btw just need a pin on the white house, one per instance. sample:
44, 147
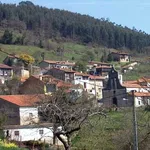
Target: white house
42, 132
23, 120
91, 84
141, 99
56, 64
140, 85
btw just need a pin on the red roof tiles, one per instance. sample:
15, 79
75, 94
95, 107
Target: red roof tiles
96, 77
142, 94
22, 100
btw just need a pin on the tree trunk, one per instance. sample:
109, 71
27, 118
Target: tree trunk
67, 144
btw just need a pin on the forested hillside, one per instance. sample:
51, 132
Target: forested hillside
28, 24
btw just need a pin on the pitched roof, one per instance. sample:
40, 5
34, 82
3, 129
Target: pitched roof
96, 77
121, 53
59, 62
65, 70
142, 94
3, 66
97, 62
133, 85
48, 79
81, 74
22, 100
104, 67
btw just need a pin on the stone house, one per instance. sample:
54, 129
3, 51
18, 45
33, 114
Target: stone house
62, 74
120, 56
56, 64
43, 84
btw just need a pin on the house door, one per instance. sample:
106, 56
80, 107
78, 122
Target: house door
114, 101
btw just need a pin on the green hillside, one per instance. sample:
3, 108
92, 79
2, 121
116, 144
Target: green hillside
72, 51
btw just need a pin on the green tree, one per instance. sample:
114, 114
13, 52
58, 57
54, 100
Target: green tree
80, 66
7, 37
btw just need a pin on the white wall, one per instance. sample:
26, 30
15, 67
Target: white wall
137, 89
27, 134
138, 101
28, 115
90, 85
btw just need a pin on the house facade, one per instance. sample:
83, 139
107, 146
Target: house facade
141, 99
119, 56
30, 132
140, 85
6, 73
91, 84
43, 84
62, 74
56, 64
21, 107
23, 121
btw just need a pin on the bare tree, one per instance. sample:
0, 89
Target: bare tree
68, 113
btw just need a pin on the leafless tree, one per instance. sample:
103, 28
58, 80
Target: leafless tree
68, 113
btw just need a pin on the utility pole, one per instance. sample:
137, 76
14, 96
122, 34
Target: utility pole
134, 124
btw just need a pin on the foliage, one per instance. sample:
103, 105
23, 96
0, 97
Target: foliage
11, 87
27, 59
108, 133
142, 69
7, 37
40, 23
4, 145
80, 66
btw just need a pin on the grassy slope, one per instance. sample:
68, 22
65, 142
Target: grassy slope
105, 133
71, 50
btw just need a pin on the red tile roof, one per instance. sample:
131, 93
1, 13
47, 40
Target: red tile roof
133, 85
81, 74
142, 94
3, 66
22, 100
96, 77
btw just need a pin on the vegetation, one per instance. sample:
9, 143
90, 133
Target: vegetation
28, 24
9, 146
68, 113
142, 69
115, 132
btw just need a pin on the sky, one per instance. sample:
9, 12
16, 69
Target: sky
130, 13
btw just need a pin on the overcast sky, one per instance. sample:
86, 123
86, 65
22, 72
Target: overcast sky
130, 13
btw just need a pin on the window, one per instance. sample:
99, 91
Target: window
16, 133
30, 115
139, 102
41, 132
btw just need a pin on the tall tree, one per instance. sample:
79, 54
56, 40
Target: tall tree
68, 114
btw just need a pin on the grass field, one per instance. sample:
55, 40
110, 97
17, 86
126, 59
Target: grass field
77, 51
111, 133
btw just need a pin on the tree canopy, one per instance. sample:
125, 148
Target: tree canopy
46, 23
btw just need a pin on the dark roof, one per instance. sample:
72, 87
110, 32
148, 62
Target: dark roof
3, 66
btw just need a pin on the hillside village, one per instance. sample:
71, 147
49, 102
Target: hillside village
100, 81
